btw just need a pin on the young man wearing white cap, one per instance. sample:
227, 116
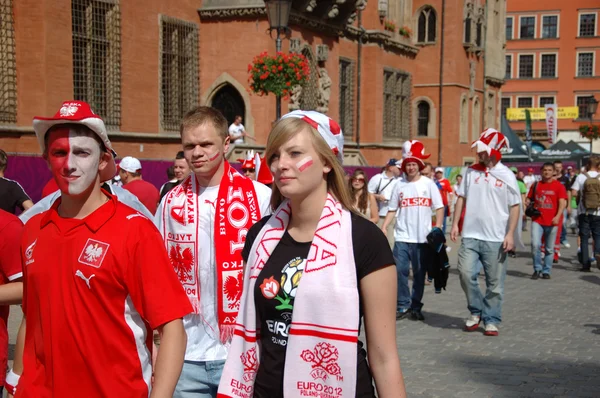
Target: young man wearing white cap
490, 230
130, 171
204, 222
97, 280
411, 204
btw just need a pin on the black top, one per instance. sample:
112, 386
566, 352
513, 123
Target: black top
566, 181
274, 311
12, 195
167, 187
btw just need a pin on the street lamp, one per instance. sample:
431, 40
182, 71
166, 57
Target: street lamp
592, 107
278, 12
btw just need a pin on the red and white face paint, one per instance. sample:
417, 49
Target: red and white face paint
74, 159
304, 163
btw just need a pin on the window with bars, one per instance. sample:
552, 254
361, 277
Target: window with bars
587, 25
427, 26
549, 26
504, 105
546, 101
179, 70
527, 28
508, 72
346, 97
96, 28
582, 104
422, 118
8, 66
509, 28
548, 65
585, 64
525, 102
396, 105
525, 66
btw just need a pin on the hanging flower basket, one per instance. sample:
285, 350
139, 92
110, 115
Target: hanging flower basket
405, 31
277, 74
590, 131
389, 25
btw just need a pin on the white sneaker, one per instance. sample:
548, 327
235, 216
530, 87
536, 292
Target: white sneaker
567, 245
491, 330
472, 324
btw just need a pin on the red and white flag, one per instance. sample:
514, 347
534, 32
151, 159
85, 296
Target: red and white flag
551, 122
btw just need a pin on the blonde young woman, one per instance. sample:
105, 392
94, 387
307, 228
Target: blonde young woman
313, 270
364, 201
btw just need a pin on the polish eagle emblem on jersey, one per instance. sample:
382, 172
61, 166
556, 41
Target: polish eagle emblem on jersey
233, 290
93, 253
182, 261
68, 110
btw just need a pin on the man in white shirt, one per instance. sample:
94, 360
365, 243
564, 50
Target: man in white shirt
412, 201
529, 179
204, 221
382, 186
589, 218
491, 222
237, 132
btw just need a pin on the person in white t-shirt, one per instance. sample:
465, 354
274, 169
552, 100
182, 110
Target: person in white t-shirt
411, 203
382, 186
204, 221
492, 217
237, 132
588, 219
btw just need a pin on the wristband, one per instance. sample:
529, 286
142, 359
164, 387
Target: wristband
11, 381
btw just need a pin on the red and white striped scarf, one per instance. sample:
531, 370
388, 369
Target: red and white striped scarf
323, 336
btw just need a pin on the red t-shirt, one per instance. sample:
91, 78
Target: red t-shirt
547, 195
10, 269
94, 289
145, 192
50, 187
445, 190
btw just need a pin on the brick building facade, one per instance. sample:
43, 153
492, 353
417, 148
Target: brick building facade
552, 49
143, 64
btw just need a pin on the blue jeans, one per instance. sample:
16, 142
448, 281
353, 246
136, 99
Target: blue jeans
471, 255
199, 379
549, 234
406, 254
589, 225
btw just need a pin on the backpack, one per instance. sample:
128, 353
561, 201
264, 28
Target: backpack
591, 193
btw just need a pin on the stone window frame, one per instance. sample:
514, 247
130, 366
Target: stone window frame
426, 10
463, 135
577, 63
476, 113
97, 57
557, 26
183, 92
519, 65
532, 98
310, 103
8, 64
396, 120
347, 115
506, 66
512, 32
535, 26
432, 122
582, 13
468, 21
578, 97
541, 65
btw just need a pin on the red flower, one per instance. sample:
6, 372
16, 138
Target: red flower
288, 84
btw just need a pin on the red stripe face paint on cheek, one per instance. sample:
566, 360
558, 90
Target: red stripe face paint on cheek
304, 163
213, 157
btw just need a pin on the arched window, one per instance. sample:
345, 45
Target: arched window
476, 128
464, 120
427, 26
422, 118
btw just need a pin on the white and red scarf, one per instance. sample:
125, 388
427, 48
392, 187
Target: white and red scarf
321, 347
236, 210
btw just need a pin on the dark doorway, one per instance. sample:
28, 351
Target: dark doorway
229, 101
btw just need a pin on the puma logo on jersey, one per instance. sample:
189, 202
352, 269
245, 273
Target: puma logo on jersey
87, 280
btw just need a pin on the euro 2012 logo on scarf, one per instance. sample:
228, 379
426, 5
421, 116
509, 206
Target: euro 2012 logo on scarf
250, 363
324, 361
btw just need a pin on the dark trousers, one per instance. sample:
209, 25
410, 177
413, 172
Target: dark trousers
589, 225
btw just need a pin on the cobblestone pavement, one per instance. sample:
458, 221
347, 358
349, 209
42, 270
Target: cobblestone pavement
549, 342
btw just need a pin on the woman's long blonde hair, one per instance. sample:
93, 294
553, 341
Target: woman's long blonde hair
287, 128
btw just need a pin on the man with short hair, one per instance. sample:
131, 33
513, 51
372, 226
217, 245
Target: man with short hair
204, 221
445, 190
97, 280
550, 198
181, 169
237, 132
412, 201
382, 186
130, 171
12, 194
489, 231
589, 211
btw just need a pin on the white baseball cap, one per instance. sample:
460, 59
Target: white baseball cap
439, 169
130, 164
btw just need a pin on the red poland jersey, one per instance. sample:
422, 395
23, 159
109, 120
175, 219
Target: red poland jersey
94, 290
